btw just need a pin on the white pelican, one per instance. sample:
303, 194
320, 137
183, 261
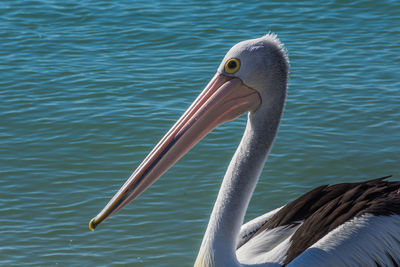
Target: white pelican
351, 224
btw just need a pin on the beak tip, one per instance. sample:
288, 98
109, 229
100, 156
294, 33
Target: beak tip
92, 224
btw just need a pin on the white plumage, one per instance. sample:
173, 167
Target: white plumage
364, 241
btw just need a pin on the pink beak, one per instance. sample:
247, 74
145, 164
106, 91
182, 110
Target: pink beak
223, 99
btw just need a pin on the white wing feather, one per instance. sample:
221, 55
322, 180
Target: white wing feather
248, 229
367, 240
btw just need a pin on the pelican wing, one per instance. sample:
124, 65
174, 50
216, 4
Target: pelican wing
325, 221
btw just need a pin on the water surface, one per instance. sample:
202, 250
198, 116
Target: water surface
89, 87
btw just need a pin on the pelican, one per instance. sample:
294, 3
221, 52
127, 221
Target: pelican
349, 224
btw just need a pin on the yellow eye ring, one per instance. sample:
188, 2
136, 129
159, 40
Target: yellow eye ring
232, 65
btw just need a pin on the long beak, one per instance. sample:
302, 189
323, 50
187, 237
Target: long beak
223, 99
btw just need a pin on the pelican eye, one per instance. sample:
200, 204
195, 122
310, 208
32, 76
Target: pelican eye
232, 65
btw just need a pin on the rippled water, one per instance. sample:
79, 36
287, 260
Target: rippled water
88, 87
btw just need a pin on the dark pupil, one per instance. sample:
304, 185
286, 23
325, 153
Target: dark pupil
232, 64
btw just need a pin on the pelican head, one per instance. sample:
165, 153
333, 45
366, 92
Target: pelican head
262, 61
252, 78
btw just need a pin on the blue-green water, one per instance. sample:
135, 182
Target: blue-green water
88, 87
